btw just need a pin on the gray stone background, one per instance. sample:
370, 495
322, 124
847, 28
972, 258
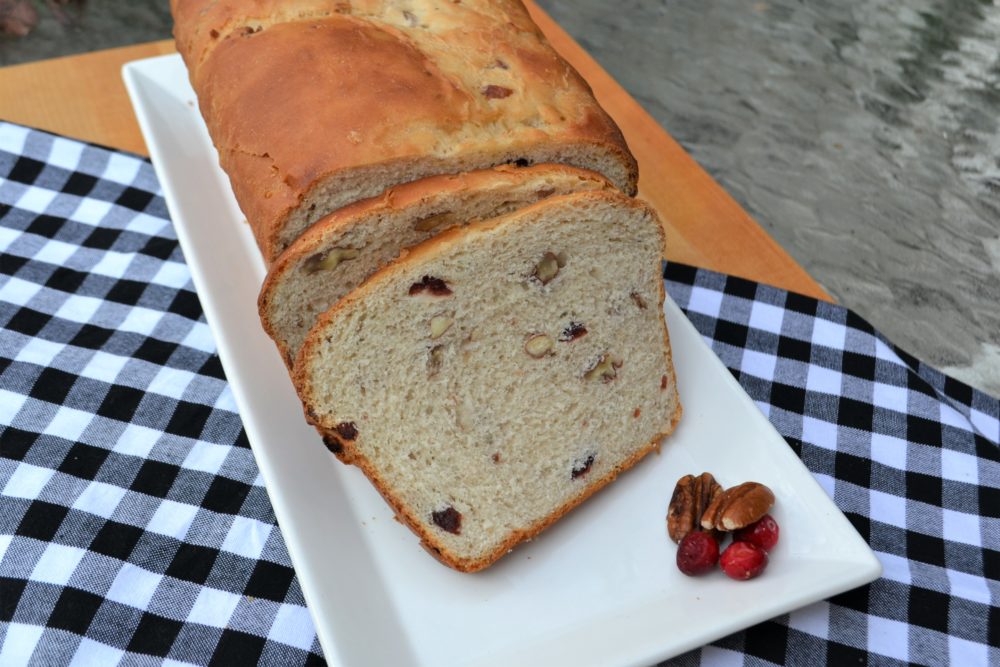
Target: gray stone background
862, 135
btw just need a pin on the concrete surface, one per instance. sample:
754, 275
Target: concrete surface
863, 135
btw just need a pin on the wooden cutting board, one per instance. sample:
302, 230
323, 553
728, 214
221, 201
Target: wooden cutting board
83, 97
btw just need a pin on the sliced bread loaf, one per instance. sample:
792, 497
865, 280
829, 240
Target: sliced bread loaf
336, 254
500, 373
314, 104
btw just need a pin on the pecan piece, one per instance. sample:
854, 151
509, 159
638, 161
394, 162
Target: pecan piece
547, 268
432, 221
606, 368
738, 507
435, 360
439, 325
329, 260
538, 346
691, 497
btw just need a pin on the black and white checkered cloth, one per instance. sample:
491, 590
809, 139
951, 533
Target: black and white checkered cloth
135, 529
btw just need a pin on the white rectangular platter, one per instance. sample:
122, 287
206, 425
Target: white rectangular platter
598, 588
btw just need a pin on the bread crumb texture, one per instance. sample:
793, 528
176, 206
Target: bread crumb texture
535, 394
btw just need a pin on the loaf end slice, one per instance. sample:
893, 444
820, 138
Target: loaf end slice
500, 373
336, 254
315, 105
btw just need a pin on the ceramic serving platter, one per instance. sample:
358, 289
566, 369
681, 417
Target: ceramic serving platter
598, 588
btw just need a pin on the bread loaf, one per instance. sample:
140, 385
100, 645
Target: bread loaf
313, 105
336, 254
498, 374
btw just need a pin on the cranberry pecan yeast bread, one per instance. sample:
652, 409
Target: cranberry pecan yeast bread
498, 374
313, 105
336, 254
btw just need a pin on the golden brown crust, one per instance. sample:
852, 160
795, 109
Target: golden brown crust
354, 94
398, 199
351, 453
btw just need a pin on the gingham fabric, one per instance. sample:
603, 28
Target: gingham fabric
911, 456
134, 524
134, 528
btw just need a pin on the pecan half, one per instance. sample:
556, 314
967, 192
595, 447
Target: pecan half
738, 507
692, 496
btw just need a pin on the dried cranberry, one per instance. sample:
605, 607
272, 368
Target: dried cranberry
697, 554
762, 533
347, 430
581, 468
743, 560
435, 286
494, 92
448, 519
572, 332
333, 444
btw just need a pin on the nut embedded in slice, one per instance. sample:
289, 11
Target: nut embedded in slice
435, 359
538, 345
606, 368
547, 268
432, 222
329, 261
440, 324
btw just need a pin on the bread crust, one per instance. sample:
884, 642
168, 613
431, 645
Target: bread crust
399, 199
305, 100
349, 452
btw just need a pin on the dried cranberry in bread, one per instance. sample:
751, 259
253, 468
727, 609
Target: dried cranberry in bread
336, 254
313, 105
498, 374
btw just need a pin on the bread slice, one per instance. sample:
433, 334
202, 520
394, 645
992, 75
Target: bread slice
313, 105
336, 254
500, 373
